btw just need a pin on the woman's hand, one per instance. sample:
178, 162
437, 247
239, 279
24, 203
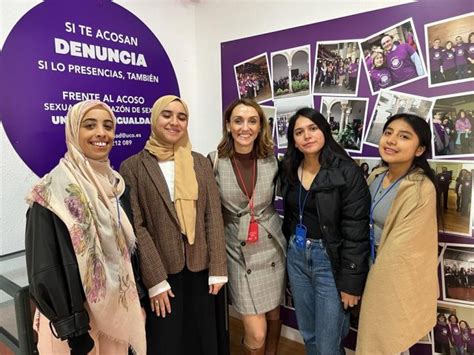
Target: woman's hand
160, 304
349, 300
215, 288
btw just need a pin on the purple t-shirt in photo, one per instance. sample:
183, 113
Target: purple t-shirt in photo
469, 338
435, 58
456, 336
470, 50
462, 124
400, 64
380, 78
353, 68
448, 59
460, 54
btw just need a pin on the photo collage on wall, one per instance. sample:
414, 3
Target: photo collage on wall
426, 69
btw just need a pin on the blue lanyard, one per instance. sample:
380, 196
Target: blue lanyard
372, 209
301, 208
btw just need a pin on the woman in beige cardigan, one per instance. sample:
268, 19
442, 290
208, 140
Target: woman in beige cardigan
399, 301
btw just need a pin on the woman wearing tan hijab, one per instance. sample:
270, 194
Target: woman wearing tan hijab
79, 242
178, 221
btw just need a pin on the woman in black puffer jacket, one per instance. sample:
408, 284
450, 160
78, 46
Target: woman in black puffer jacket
327, 204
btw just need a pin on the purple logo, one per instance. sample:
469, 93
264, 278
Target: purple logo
60, 53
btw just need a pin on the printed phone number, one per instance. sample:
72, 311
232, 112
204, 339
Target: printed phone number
122, 142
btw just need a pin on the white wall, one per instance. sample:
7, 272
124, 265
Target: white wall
191, 32
15, 176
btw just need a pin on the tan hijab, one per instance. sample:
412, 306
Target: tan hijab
185, 182
84, 194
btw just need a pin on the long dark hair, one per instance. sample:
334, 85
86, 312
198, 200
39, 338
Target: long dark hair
466, 323
293, 156
459, 116
423, 132
453, 315
441, 315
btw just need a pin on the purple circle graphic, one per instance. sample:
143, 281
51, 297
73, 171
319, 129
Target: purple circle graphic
62, 52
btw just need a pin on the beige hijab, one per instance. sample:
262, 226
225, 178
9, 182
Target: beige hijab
84, 194
185, 182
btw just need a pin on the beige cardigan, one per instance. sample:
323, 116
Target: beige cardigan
399, 302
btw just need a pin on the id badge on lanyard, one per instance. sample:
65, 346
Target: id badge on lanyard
301, 230
252, 236
300, 236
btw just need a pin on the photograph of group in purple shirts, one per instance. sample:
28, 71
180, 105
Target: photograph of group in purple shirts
392, 57
336, 68
458, 273
253, 79
452, 125
450, 50
453, 332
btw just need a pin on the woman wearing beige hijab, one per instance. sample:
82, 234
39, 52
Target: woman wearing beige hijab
178, 221
79, 244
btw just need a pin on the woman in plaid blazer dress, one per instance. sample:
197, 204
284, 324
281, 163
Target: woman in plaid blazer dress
246, 167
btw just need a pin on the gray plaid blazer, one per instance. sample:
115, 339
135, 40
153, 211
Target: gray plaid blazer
236, 207
256, 271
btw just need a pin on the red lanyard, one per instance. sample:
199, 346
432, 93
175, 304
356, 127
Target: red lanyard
250, 198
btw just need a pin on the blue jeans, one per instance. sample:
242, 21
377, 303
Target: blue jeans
321, 318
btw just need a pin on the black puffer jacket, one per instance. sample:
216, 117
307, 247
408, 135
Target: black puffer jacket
53, 273
343, 205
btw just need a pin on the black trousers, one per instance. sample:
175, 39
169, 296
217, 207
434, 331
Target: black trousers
191, 328
444, 189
